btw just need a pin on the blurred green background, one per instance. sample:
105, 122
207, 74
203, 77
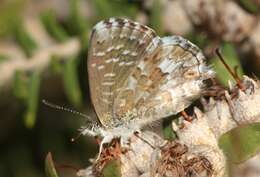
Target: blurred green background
31, 29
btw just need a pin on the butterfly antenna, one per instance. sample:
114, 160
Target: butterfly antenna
76, 138
234, 75
55, 106
144, 140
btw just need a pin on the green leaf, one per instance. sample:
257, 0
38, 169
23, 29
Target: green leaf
77, 23
49, 166
250, 6
24, 39
241, 143
53, 27
112, 169
9, 13
20, 85
168, 132
84, 40
114, 8
102, 8
231, 58
3, 58
200, 39
156, 17
71, 82
26, 87
56, 64
32, 100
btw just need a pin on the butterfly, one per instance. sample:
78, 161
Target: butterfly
137, 77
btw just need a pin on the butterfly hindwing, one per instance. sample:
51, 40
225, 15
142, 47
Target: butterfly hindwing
165, 81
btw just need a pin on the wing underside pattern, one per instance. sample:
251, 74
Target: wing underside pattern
116, 46
166, 82
133, 70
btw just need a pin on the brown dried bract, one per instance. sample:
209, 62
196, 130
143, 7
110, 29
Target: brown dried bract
175, 160
109, 152
217, 91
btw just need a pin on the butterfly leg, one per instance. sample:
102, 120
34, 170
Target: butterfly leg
106, 139
186, 116
93, 131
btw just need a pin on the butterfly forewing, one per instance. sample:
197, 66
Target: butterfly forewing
116, 46
133, 71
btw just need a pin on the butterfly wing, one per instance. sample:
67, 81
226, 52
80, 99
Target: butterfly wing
116, 46
165, 81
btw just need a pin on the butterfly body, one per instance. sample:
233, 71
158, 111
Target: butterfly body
136, 77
